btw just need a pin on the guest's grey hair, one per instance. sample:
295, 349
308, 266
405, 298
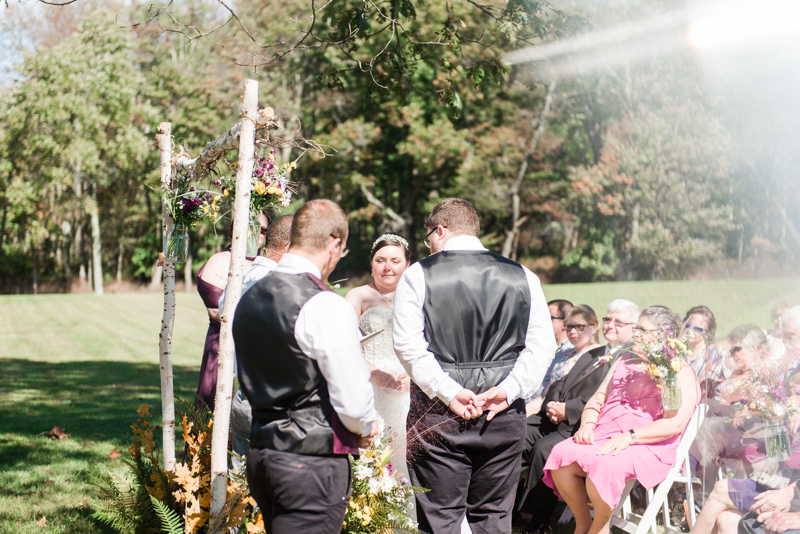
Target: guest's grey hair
792, 314
663, 317
625, 306
754, 342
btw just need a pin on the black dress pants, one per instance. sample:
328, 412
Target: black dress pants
536, 498
471, 467
298, 493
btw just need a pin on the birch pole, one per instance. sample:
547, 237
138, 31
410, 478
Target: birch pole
241, 218
168, 318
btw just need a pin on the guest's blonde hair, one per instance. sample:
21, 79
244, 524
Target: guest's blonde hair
316, 222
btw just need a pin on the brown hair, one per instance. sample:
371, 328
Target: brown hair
563, 306
390, 243
279, 233
710, 319
315, 222
457, 215
587, 314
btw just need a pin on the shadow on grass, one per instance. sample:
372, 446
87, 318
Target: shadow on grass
93, 401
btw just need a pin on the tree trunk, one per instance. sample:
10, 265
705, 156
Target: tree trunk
82, 250
168, 317
35, 268
66, 230
511, 235
3, 224
120, 256
241, 210
97, 255
187, 273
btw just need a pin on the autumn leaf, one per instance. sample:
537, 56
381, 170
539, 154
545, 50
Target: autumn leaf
58, 433
114, 454
42, 522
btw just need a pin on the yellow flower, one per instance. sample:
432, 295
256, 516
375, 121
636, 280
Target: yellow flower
260, 188
353, 504
272, 157
677, 365
225, 193
752, 405
294, 165
272, 190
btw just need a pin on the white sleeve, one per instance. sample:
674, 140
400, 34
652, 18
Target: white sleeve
540, 347
410, 344
327, 331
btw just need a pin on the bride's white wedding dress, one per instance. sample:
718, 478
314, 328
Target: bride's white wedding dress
392, 404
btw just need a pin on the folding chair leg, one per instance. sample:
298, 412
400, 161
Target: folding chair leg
648, 520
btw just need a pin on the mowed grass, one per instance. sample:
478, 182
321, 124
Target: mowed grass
85, 363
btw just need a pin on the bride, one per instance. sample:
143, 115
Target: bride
373, 303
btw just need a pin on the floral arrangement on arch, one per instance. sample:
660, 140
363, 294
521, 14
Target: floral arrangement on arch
270, 184
765, 392
380, 494
666, 355
188, 205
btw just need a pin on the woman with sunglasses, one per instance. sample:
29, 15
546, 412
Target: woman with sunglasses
712, 363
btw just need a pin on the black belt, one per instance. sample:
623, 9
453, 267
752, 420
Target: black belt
267, 415
477, 365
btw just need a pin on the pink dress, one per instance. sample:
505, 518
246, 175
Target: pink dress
634, 400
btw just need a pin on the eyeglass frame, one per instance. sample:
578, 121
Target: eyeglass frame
426, 241
553, 318
643, 331
617, 323
346, 250
695, 328
578, 327
735, 349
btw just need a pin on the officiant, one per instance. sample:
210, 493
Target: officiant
300, 364
473, 331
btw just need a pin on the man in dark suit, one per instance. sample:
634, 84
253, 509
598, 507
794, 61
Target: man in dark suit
565, 401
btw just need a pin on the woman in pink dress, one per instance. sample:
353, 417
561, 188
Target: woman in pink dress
624, 434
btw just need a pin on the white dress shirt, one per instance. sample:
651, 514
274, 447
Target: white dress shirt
327, 331
261, 267
421, 364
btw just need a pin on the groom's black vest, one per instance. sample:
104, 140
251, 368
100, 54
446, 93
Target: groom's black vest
476, 310
288, 394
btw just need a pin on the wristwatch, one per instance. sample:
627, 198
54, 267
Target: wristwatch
634, 437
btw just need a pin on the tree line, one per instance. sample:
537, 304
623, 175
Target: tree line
623, 172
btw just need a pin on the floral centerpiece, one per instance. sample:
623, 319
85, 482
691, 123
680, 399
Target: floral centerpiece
380, 494
664, 357
187, 206
764, 390
270, 187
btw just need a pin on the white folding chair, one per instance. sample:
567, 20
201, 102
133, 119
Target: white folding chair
680, 473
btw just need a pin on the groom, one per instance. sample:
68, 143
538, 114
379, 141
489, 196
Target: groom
473, 331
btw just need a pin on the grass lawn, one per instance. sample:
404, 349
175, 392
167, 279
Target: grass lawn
85, 363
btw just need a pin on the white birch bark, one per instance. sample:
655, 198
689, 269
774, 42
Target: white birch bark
97, 253
168, 318
241, 217
228, 141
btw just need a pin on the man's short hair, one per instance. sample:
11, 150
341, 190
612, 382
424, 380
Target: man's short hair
279, 232
625, 306
314, 224
457, 215
791, 315
563, 307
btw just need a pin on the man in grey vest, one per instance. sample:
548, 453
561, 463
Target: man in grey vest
473, 331
300, 365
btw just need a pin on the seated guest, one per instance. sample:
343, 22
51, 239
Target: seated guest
790, 336
711, 362
559, 418
732, 498
722, 434
621, 316
559, 309
624, 433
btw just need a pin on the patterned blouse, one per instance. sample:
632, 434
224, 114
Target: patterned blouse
562, 368
715, 363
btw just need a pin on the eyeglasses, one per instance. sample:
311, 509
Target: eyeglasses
578, 327
618, 324
695, 328
553, 317
346, 250
643, 331
427, 241
735, 349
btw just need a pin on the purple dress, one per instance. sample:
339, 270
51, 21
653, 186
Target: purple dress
207, 388
634, 400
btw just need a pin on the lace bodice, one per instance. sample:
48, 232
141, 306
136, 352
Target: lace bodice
379, 351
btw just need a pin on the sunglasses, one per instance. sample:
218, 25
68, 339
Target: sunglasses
735, 349
578, 327
618, 324
695, 328
427, 241
553, 317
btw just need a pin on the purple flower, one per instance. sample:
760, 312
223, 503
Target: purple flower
403, 480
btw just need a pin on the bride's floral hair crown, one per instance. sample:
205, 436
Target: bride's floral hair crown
391, 237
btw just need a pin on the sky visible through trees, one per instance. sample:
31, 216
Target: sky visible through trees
619, 140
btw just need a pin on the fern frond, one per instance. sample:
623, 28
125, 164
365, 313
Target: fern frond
171, 522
